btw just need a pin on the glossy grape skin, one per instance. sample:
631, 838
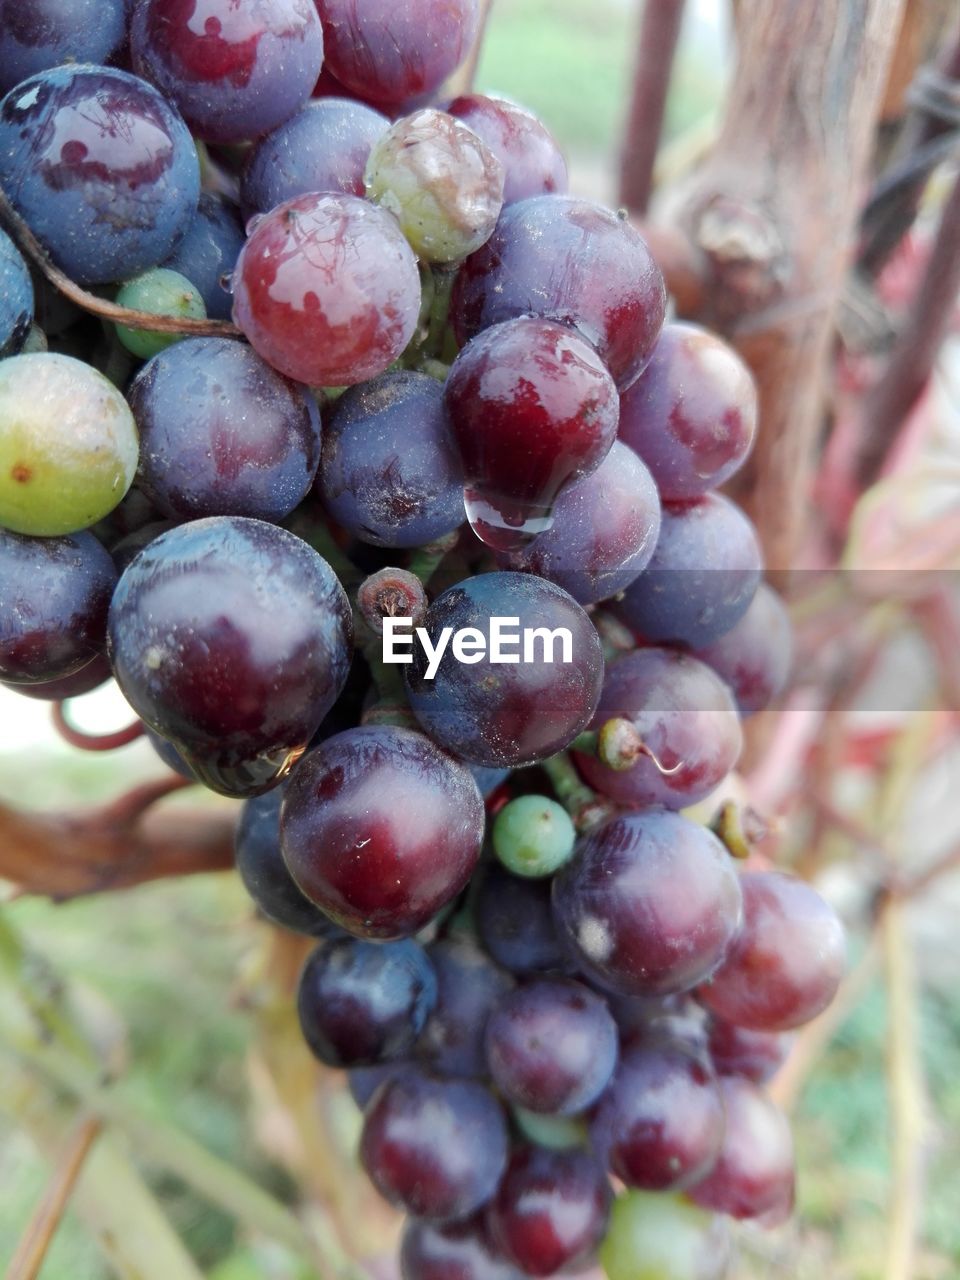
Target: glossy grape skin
55, 593
264, 873
660, 1124
470, 987
656, 1237
684, 714
552, 1047
40, 34
68, 444
704, 572
738, 1051
16, 297
161, 292
361, 1003
436, 1148
515, 923
568, 260
532, 162
452, 1251
650, 903
389, 473
550, 1210
324, 147
381, 829
89, 677
532, 409
787, 961
755, 656
754, 1174
604, 531
502, 714
533, 836
440, 181
208, 252
390, 54
692, 413
234, 68
222, 433
232, 638
101, 168
327, 290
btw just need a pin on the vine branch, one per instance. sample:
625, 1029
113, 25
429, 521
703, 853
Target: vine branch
659, 35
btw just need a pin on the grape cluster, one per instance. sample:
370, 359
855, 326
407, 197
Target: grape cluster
455, 400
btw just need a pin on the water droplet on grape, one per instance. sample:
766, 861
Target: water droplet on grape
503, 524
226, 282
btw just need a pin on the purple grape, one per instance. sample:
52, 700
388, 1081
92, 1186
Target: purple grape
232, 638
234, 68
568, 260
208, 252
532, 162
55, 594
686, 718
381, 829
363, 1082
756, 654
604, 532
692, 413
436, 1148
470, 987
389, 473
703, 575
36, 35
507, 714
552, 1047
515, 922
223, 434
101, 168
89, 677
452, 1251
738, 1051
16, 297
650, 903
362, 1003
324, 147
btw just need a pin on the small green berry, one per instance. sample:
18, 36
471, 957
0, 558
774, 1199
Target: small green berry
533, 836
559, 1133
163, 293
652, 1236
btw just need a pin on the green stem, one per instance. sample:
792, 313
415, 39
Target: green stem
443, 278
576, 797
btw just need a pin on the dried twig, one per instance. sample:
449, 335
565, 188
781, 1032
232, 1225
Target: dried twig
659, 34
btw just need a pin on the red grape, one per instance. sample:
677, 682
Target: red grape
469, 988
452, 1251
738, 1051
756, 654
532, 161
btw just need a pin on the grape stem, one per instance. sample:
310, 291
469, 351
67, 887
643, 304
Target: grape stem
659, 36
618, 745
96, 305
582, 803
84, 741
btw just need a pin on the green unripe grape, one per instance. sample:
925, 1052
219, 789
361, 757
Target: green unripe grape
533, 836
442, 184
68, 444
652, 1236
163, 293
559, 1133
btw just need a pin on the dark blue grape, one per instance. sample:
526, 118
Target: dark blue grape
16, 297
38, 34
102, 169
469, 988
169, 754
208, 252
453, 1251
488, 780
515, 922
89, 677
363, 1082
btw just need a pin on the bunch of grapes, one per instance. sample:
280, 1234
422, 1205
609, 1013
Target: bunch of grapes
453, 400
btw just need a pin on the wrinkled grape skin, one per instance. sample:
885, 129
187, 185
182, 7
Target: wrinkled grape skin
683, 712
90, 676
649, 904
787, 962
264, 873
389, 473
101, 168
692, 413
381, 828
223, 434
500, 714
249, 67
532, 410
16, 297
454, 1251
704, 572
55, 593
232, 638
652, 1236
754, 1174
552, 1047
533, 163
604, 532
660, 1124
40, 34
470, 987
437, 1148
572, 261
209, 250
550, 1210
389, 53
324, 147
738, 1051
327, 290
515, 923
362, 1003
755, 656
